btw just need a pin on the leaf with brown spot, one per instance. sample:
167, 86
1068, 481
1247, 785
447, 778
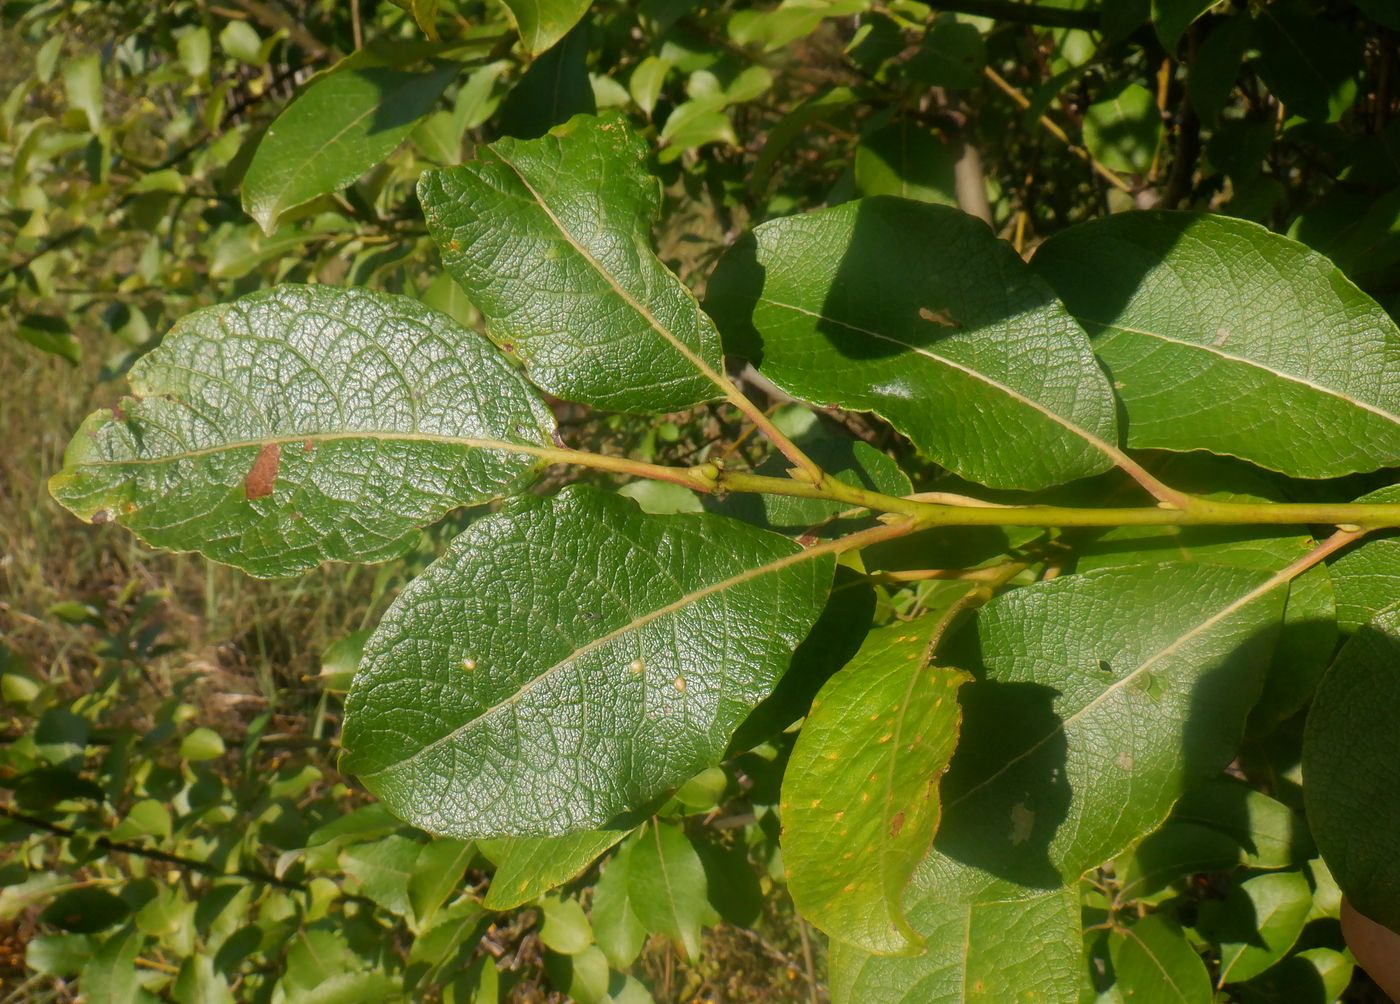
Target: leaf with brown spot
263, 474
892, 723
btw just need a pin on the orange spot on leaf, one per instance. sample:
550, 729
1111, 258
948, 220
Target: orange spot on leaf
896, 824
263, 475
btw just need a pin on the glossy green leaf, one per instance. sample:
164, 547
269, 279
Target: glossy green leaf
1104, 696
619, 932
571, 659
202, 744
342, 125
1153, 963
437, 874
1366, 578
529, 866
1175, 851
1271, 834
565, 926
1312, 976
382, 870
1018, 950
596, 317
1122, 129
543, 22
1222, 336
1308, 636
1351, 769
553, 90
917, 313
860, 791
1257, 923
667, 888
302, 424
906, 160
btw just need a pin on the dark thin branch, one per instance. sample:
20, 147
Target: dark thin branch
153, 854
1023, 13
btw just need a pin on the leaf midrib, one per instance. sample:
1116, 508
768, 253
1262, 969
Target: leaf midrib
641, 309
286, 439
1215, 350
1109, 451
1273, 582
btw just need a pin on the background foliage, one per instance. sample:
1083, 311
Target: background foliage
174, 823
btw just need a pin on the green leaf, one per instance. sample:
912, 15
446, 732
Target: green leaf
1271, 834
1171, 18
1177, 850
951, 55
437, 873
1257, 923
82, 84
383, 870
340, 660
449, 931
1310, 63
1153, 963
918, 313
1104, 696
202, 744
1312, 976
646, 81
905, 160
615, 925
1216, 68
1122, 129
85, 911
529, 866
1351, 769
536, 681
342, 125
1027, 949
305, 423
1187, 311
667, 888
597, 318
860, 792
565, 928
1366, 579
111, 977
51, 335
555, 88
541, 23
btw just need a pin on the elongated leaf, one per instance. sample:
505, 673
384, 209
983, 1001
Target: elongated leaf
1222, 336
1104, 695
336, 130
917, 313
1351, 769
860, 792
1171, 18
550, 239
619, 932
544, 22
529, 866
1153, 963
1367, 578
302, 424
1021, 950
1257, 923
570, 659
667, 887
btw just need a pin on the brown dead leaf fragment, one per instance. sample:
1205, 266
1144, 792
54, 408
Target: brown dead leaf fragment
939, 317
263, 475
